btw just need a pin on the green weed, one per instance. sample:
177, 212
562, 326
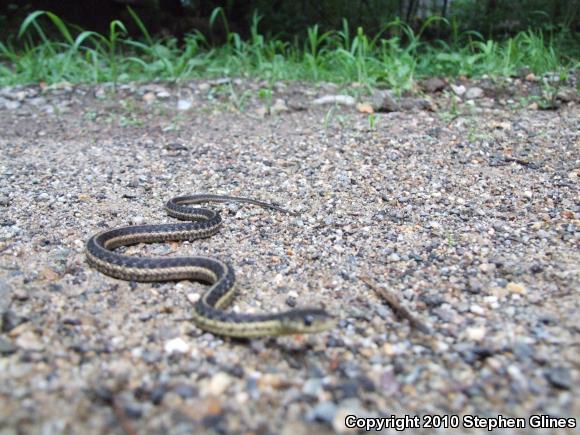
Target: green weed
393, 58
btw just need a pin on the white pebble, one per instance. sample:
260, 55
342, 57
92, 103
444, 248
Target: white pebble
184, 104
137, 220
193, 297
476, 309
476, 333
218, 384
459, 90
176, 345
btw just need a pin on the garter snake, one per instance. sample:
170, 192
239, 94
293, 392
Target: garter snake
208, 311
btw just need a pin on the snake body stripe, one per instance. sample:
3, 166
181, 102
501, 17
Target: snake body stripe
208, 311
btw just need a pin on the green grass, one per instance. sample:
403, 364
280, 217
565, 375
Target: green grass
394, 58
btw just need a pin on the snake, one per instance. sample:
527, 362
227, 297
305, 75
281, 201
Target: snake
209, 312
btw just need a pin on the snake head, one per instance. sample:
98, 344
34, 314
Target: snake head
306, 321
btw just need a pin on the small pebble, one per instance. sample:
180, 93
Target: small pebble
137, 220
324, 412
184, 105
312, 387
559, 377
516, 288
476, 333
218, 384
176, 345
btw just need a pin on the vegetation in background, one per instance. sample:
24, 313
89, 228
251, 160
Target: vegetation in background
393, 57
285, 18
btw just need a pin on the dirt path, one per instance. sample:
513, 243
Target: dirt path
467, 214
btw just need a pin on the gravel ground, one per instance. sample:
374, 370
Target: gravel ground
466, 213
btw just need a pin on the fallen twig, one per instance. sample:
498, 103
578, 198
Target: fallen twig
520, 161
396, 305
502, 160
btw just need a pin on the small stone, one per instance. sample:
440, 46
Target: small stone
476, 309
501, 125
185, 391
176, 345
175, 146
272, 381
485, 267
394, 257
384, 101
171, 400
157, 394
184, 105
100, 94
531, 77
341, 100
523, 350
458, 90
5, 296
279, 106
12, 105
567, 94
9, 320
312, 387
291, 301
324, 412
559, 377
4, 201
163, 94
474, 285
434, 84
516, 374
193, 297
48, 274
476, 333
474, 93
388, 349
149, 97
132, 410
20, 295
7, 347
568, 214
204, 87
29, 341
533, 106
218, 384
516, 288
137, 220
410, 104
364, 108
38, 101
43, 196
261, 111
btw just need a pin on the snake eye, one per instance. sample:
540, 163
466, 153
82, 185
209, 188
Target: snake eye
308, 320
